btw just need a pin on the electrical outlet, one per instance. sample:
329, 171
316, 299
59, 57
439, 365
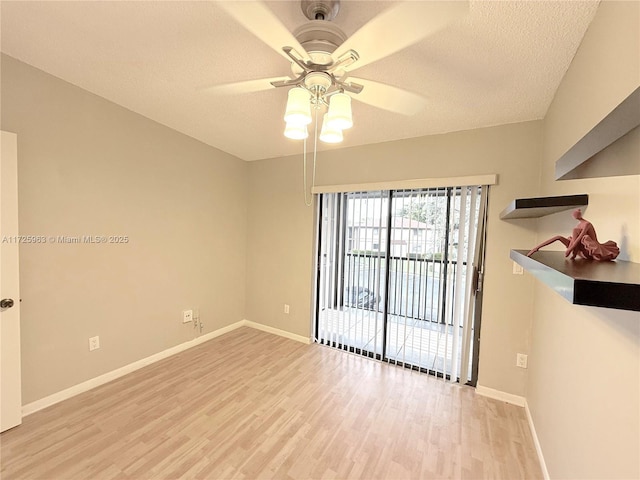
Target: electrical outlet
94, 343
517, 269
187, 316
286, 309
521, 360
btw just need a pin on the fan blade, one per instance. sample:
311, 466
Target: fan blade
398, 27
258, 19
389, 98
248, 86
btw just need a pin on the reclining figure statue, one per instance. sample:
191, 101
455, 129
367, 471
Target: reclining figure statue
583, 242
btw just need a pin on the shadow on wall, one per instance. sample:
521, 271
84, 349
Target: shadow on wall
624, 322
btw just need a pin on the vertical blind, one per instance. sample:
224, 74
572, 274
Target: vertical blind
396, 275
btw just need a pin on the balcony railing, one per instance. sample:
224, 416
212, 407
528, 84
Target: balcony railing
417, 286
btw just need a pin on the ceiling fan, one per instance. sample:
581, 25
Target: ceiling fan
322, 57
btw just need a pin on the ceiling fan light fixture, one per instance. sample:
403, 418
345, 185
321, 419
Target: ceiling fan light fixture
329, 133
296, 132
298, 111
339, 116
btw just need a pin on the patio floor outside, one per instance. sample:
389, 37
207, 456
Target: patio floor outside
425, 344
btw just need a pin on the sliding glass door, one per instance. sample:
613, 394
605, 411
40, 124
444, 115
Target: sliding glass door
395, 276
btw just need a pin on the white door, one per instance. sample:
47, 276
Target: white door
10, 382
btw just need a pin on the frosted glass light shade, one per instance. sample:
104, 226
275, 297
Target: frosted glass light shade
298, 110
340, 111
296, 132
329, 134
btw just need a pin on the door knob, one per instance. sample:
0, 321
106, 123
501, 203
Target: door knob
6, 303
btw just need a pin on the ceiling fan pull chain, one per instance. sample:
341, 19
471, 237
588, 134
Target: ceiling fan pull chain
315, 154
304, 172
309, 202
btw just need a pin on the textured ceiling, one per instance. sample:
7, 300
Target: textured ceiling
500, 64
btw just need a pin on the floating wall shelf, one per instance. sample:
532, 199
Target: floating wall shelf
586, 282
620, 121
539, 207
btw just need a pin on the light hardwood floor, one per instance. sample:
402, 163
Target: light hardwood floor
250, 404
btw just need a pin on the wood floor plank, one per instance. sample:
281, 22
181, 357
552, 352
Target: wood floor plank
251, 405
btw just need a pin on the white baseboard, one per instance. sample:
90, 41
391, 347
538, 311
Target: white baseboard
277, 331
67, 393
500, 395
57, 397
520, 402
536, 442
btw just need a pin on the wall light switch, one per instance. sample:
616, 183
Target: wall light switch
286, 309
521, 360
94, 343
517, 269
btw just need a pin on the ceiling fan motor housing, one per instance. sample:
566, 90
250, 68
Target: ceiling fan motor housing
320, 36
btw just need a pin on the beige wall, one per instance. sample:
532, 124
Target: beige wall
280, 257
90, 167
583, 387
